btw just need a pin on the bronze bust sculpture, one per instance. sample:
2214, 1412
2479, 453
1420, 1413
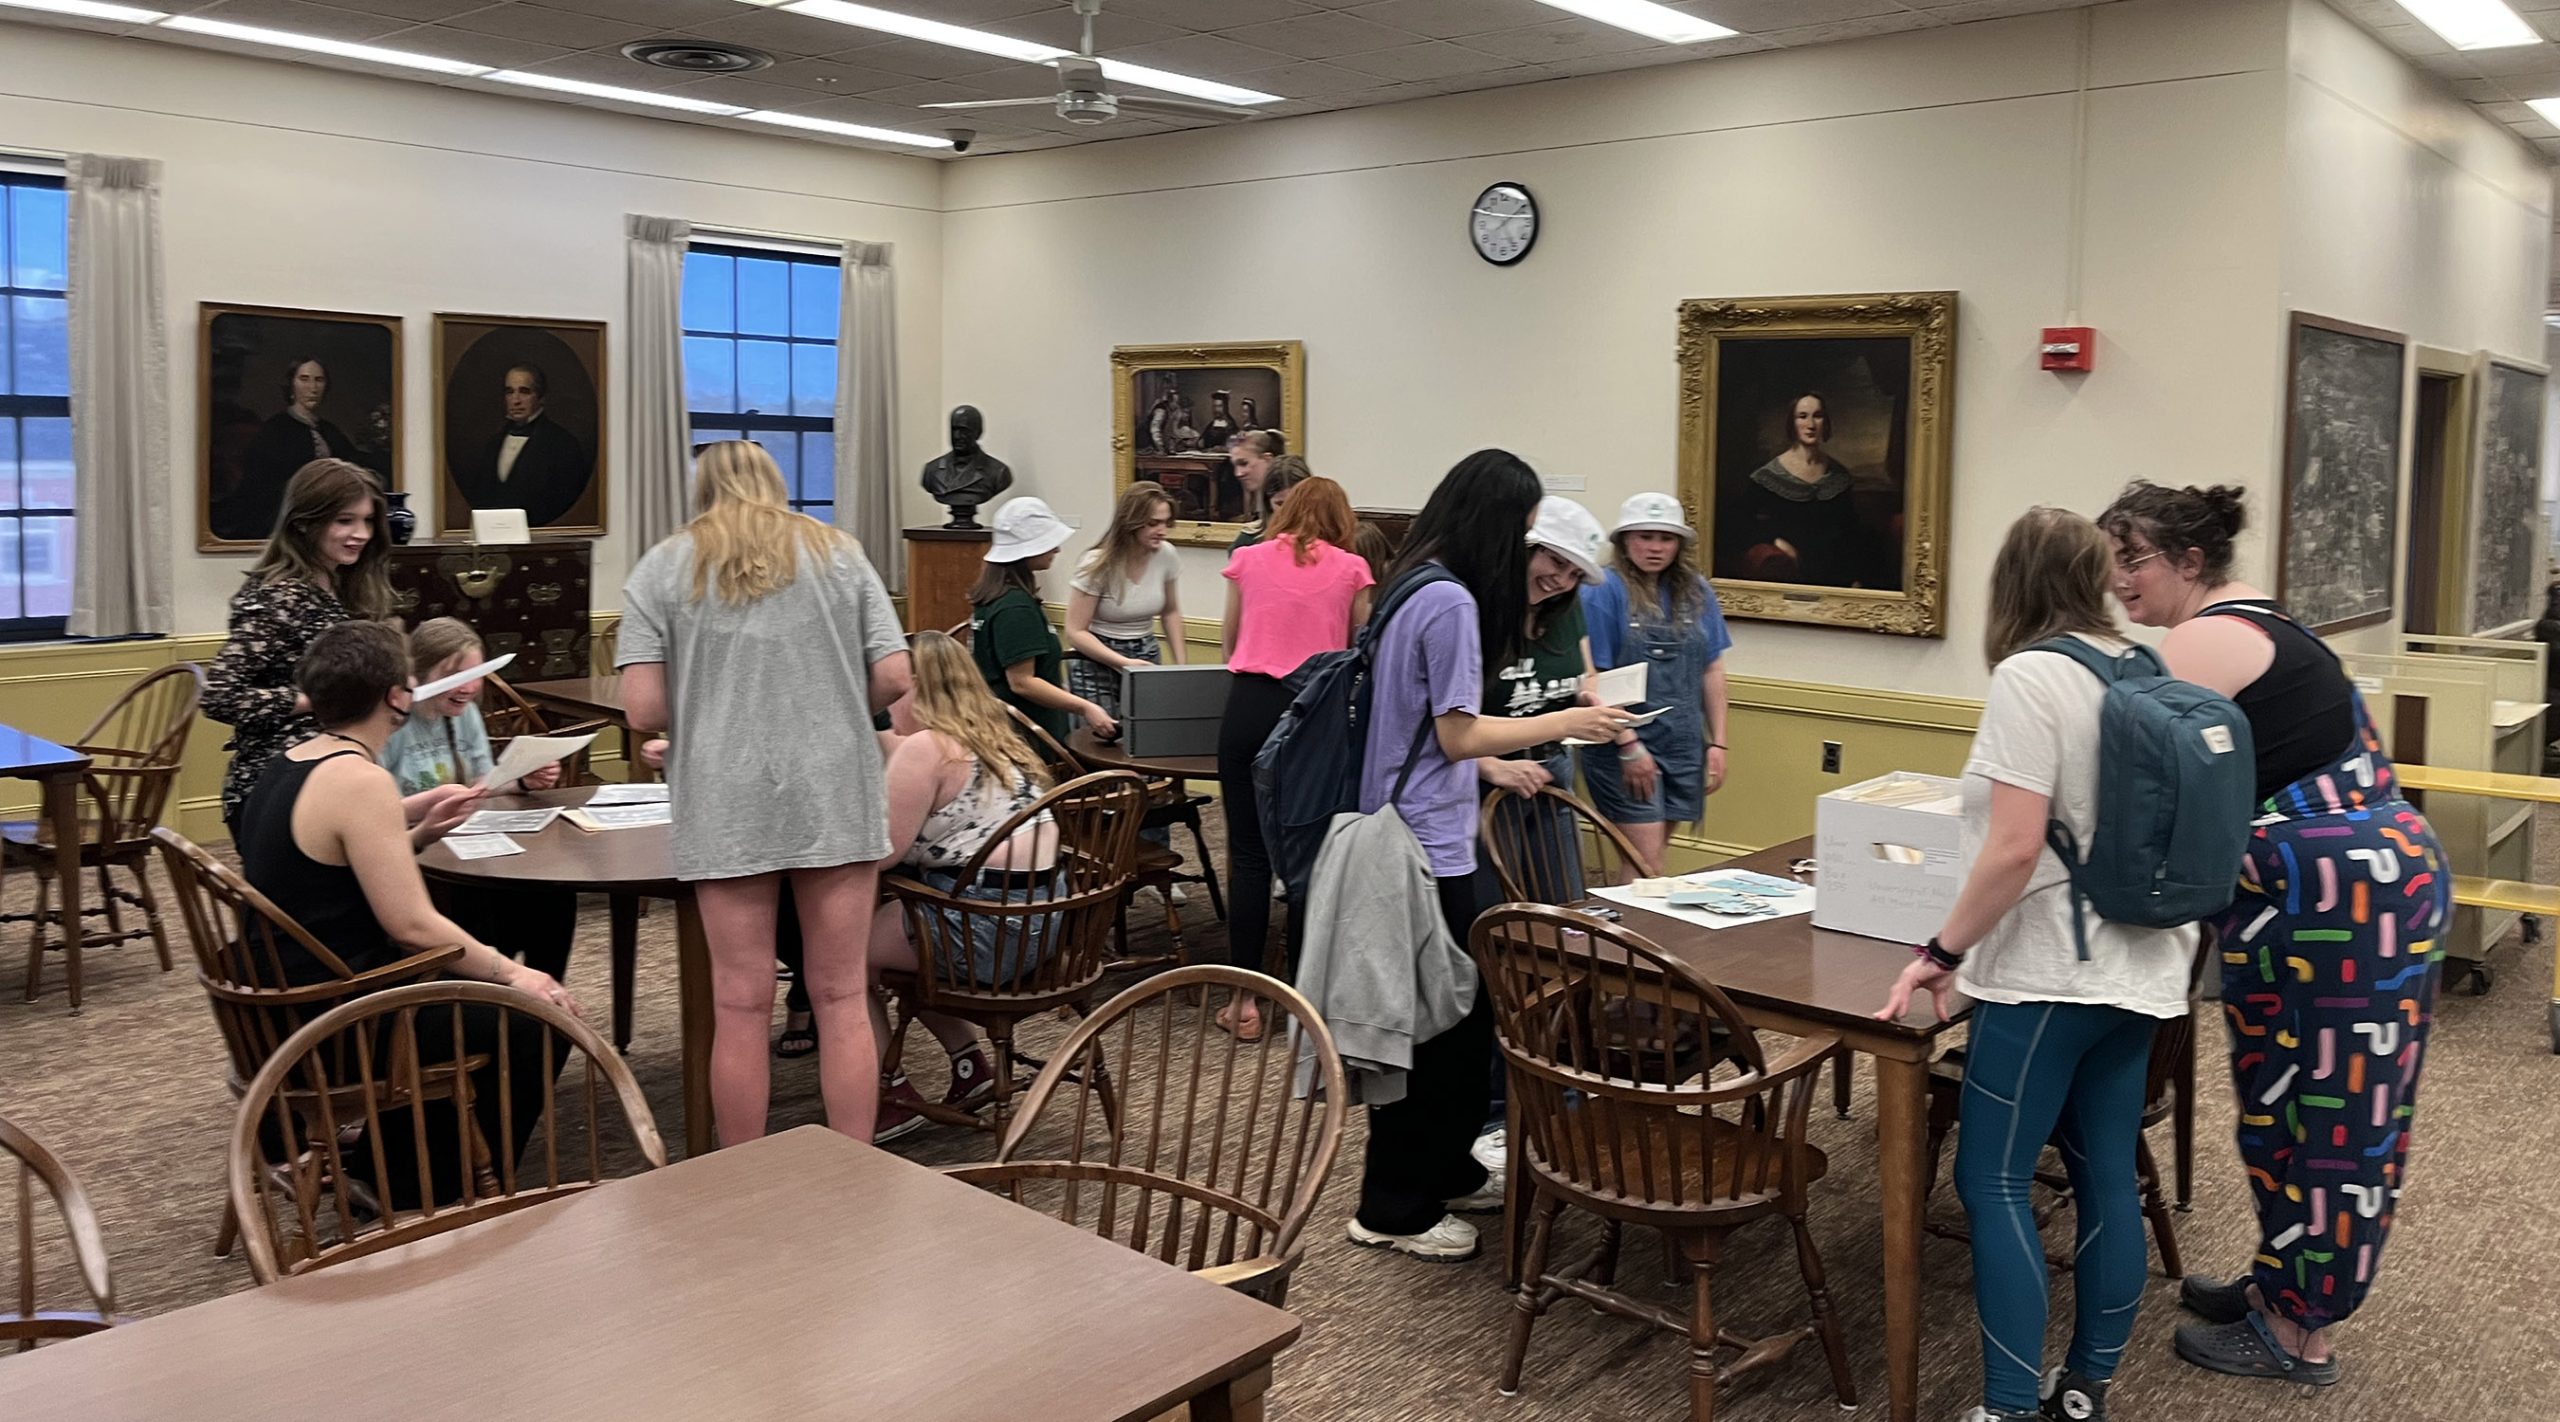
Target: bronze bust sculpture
967, 476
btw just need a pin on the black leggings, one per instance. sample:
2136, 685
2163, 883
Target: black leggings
1418, 1154
1255, 704
535, 925
527, 1085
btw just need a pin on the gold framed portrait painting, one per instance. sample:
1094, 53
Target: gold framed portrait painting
1814, 455
1173, 409
278, 387
520, 422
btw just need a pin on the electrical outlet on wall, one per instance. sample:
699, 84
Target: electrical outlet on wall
1830, 757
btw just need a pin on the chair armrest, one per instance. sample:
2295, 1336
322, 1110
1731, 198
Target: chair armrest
419, 965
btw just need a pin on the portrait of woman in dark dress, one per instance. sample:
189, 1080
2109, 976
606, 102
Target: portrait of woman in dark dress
1795, 519
290, 438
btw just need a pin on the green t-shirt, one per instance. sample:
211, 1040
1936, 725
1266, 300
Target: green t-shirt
1013, 629
1548, 675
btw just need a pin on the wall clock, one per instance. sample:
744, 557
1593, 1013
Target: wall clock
1503, 223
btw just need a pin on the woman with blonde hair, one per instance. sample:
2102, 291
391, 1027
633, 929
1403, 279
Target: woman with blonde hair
761, 641
2061, 1037
1654, 608
1123, 589
325, 563
957, 772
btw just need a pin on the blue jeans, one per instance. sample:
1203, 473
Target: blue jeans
2071, 1072
992, 964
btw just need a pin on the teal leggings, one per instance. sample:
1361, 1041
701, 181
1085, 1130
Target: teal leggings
2073, 1073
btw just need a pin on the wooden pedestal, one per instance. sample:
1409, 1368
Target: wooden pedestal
941, 565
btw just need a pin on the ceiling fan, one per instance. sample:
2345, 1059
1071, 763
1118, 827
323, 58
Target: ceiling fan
1083, 97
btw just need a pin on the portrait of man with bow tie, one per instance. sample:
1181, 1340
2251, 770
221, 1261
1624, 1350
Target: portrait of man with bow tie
521, 421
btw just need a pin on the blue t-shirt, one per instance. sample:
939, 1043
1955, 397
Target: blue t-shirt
1430, 661
428, 751
1604, 612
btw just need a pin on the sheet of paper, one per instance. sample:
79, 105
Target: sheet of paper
500, 526
1620, 686
1733, 881
482, 846
637, 792
506, 822
443, 684
614, 817
526, 754
1645, 719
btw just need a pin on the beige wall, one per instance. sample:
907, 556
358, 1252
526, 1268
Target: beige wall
1942, 159
288, 185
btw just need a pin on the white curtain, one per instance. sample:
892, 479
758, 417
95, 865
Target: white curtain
119, 399
661, 447
867, 409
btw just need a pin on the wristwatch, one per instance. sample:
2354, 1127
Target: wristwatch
1936, 952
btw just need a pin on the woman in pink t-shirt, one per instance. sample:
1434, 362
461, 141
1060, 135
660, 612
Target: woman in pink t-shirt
1298, 592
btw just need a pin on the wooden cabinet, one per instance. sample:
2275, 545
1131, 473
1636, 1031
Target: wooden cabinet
942, 565
531, 599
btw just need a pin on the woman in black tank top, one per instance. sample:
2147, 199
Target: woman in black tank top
2330, 954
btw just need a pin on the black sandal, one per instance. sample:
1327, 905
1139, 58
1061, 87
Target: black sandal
2247, 1349
796, 1041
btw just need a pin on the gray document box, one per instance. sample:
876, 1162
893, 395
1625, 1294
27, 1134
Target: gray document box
1172, 710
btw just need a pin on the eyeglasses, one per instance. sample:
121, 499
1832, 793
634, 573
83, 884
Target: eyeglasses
2127, 565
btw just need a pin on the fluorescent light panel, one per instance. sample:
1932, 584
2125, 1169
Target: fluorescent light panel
2473, 24
609, 91
1650, 20
89, 10
846, 130
1172, 83
282, 39
869, 17
2548, 108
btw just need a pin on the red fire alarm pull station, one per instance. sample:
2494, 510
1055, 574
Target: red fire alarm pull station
2070, 348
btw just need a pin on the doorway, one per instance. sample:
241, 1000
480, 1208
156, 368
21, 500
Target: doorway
2432, 481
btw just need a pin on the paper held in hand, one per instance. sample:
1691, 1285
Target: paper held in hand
443, 684
1620, 686
527, 754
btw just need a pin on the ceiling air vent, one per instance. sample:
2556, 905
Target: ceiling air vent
697, 56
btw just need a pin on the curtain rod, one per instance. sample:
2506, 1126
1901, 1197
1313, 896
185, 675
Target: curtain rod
794, 240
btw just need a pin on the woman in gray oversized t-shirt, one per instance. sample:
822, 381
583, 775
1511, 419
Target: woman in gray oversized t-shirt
761, 641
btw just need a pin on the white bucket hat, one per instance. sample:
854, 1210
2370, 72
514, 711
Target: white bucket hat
1653, 513
1025, 528
1569, 531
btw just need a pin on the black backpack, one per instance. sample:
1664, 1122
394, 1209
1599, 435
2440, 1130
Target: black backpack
1309, 770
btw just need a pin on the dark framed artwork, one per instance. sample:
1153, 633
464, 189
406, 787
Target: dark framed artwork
278, 387
520, 422
2338, 541
2506, 495
1173, 410
1814, 455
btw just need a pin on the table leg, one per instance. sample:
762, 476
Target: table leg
624, 912
1902, 1148
693, 979
62, 807
1235, 1400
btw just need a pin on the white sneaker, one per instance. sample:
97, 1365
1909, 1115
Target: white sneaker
1492, 1150
1451, 1241
1488, 1198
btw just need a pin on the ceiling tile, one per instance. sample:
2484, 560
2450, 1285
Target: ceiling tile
1839, 30
1064, 28
542, 25
1563, 40
2481, 91
2413, 39
1307, 79
1760, 16
1451, 19
780, 35
1322, 36
2523, 59
990, 13
1969, 11
1432, 59
2540, 84
828, 76
1210, 15
495, 50
414, 11
745, 90
913, 59
657, 14
1666, 54
324, 21
1208, 55
607, 67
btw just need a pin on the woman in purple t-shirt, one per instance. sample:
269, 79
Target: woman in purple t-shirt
1430, 665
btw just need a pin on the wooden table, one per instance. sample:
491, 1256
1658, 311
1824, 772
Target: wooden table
1111, 755
1789, 976
59, 770
802, 1275
628, 865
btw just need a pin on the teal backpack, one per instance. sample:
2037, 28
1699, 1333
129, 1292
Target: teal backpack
2177, 793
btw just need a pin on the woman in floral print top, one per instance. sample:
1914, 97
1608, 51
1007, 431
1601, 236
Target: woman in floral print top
326, 562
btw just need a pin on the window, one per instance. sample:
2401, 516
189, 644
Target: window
760, 360
35, 409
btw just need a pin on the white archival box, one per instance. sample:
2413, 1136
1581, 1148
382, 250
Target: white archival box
1887, 871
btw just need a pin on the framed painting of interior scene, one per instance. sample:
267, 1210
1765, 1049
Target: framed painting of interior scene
2339, 533
1814, 455
278, 388
520, 422
1175, 407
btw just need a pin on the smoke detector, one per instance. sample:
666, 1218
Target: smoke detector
691, 56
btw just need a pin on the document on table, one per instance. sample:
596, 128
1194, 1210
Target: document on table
527, 754
614, 817
1620, 686
482, 846
632, 792
1718, 898
502, 822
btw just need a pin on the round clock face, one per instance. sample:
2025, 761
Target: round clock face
1504, 223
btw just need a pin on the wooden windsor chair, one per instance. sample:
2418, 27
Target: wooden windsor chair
25, 1324
1157, 867
1180, 1141
1638, 1127
337, 1090
1042, 943
135, 750
507, 714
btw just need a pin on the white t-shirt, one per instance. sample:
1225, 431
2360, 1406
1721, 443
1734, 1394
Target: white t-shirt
2039, 732
1137, 603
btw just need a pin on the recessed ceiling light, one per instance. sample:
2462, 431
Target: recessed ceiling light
282, 39
609, 91
847, 130
1171, 83
89, 10
890, 22
2473, 24
1646, 18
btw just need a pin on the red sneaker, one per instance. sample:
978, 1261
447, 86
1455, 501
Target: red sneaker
900, 1112
973, 1081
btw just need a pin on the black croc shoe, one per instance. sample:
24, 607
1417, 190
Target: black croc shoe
2247, 1350
2212, 1302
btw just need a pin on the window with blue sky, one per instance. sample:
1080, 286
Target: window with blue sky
760, 360
35, 409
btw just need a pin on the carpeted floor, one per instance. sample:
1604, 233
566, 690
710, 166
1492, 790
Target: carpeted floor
131, 1095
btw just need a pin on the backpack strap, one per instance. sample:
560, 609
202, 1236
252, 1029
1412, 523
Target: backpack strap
1397, 595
